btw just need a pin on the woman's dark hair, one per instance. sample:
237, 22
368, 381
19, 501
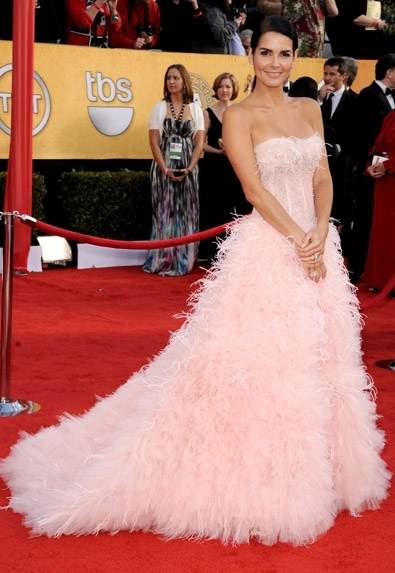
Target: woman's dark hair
186, 79
304, 87
226, 76
276, 24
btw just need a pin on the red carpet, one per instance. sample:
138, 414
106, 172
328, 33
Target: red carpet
79, 334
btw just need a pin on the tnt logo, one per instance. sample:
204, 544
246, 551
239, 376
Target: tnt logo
109, 119
202, 91
41, 104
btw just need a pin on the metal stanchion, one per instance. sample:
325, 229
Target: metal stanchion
9, 406
391, 365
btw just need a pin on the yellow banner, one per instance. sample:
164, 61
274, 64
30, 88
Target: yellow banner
94, 103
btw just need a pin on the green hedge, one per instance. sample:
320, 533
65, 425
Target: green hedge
39, 192
113, 204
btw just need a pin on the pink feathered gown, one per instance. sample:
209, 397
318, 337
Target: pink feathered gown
256, 420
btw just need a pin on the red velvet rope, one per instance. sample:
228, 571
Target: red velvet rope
163, 243
117, 244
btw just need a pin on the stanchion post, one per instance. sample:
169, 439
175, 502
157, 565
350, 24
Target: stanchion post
6, 306
8, 406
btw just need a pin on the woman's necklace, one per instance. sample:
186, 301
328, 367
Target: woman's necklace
173, 111
219, 110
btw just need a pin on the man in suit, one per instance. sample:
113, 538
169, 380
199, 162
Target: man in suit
338, 113
374, 103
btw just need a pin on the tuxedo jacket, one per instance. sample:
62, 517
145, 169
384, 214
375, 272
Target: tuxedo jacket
372, 107
343, 120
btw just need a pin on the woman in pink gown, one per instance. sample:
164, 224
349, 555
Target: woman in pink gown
256, 420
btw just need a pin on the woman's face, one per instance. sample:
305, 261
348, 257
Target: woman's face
174, 82
273, 59
225, 90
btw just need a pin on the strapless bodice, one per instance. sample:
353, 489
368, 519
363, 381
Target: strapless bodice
286, 166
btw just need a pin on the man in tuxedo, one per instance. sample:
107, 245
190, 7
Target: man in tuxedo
374, 103
338, 113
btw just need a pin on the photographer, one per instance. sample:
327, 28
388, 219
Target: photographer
140, 25
218, 27
89, 22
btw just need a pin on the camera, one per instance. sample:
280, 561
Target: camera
237, 11
99, 42
146, 29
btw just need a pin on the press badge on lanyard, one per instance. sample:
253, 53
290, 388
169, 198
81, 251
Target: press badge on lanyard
175, 150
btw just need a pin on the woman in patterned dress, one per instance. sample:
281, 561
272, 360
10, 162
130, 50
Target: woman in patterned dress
308, 17
176, 134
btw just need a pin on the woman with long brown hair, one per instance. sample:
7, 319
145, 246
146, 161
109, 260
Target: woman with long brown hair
176, 132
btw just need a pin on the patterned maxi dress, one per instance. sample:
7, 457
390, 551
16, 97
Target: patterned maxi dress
175, 205
308, 17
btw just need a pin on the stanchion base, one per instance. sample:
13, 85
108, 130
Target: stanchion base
386, 364
9, 407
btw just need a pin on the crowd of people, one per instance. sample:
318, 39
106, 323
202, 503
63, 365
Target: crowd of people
210, 26
354, 133
352, 124
180, 131
257, 420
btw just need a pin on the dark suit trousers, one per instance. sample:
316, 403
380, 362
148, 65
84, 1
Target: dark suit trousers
363, 211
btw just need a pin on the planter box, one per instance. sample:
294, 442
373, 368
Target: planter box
91, 256
33, 263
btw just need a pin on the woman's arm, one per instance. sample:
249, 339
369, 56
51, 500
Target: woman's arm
197, 149
314, 240
331, 8
237, 139
369, 22
207, 124
322, 181
154, 140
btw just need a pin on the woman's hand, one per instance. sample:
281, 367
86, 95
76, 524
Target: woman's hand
312, 248
315, 272
173, 174
377, 170
139, 43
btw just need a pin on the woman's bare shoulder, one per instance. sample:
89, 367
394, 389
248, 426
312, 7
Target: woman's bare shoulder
238, 112
309, 106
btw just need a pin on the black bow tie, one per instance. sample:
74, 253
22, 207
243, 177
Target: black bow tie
285, 89
389, 91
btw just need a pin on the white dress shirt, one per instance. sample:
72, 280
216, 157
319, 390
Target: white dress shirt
389, 97
337, 95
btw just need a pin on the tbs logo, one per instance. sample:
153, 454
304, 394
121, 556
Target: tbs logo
41, 103
109, 120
